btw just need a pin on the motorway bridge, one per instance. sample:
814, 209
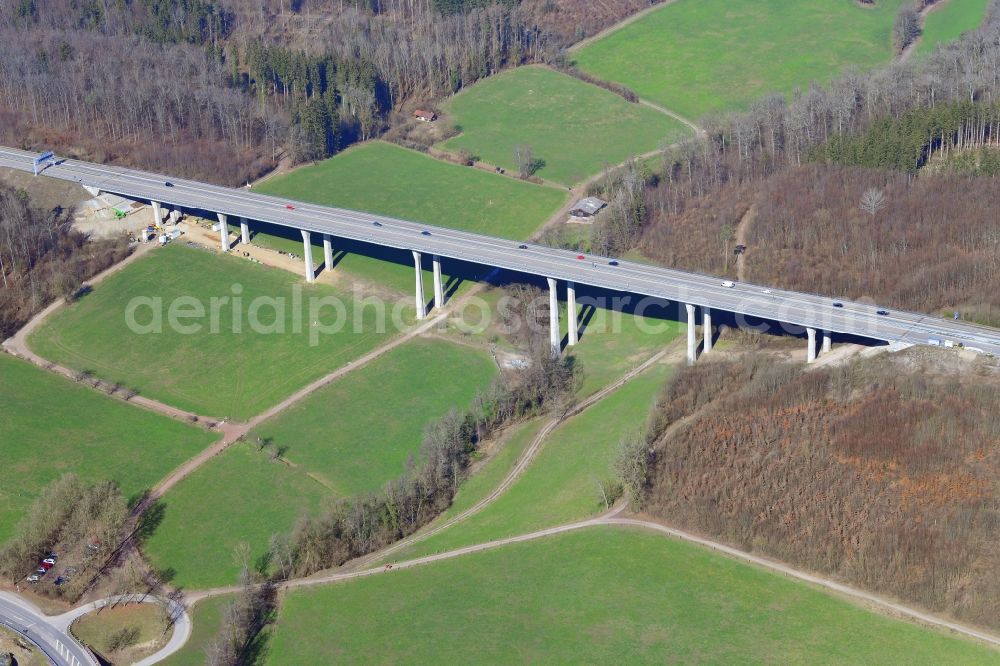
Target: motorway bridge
817, 316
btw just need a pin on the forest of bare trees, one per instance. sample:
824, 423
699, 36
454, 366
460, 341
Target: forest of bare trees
221, 92
882, 473
42, 257
931, 244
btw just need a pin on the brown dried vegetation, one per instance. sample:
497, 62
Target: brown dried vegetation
880, 473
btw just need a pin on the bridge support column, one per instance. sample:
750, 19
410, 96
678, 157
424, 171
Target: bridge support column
555, 336
175, 216
706, 329
571, 315
244, 231
438, 285
307, 254
327, 253
421, 304
223, 232
811, 342
827, 342
157, 213
692, 339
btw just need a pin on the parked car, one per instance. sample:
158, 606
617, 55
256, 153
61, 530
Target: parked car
34, 578
49, 560
45, 566
62, 579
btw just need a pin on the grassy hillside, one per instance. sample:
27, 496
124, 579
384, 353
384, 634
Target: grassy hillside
386, 179
697, 56
350, 437
561, 484
576, 128
947, 22
355, 434
235, 372
241, 496
602, 595
50, 426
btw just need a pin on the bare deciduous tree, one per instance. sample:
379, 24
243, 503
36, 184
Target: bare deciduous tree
872, 201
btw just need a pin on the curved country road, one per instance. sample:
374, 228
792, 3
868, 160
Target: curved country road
52, 636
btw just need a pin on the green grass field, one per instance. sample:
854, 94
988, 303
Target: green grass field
601, 595
561, 484
206, 618
357, 433
98, 628
697, 56
575, 127
50, 426
235, 372
349, 437
383, 178
387, 179
947, 22
239, 496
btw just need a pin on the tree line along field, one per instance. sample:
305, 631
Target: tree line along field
700, 56
233, 373
349, 437
599, 595
51, 426
577, 129
562, 484
948, 21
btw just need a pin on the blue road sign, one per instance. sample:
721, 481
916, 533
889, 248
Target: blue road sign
42, 160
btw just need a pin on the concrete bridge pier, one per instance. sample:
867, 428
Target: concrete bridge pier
327, 253
827, 342
175, 216
706, 329
438, 284
223, 232
244, 231
421, 305
157, 213
811, 345
308, 255
692, 339
555, 337
571, 314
